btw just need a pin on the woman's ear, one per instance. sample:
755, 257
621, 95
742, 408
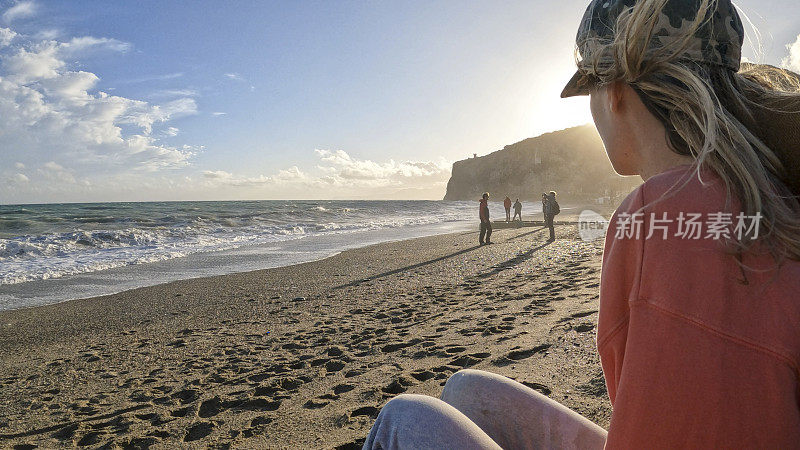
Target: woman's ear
615, 96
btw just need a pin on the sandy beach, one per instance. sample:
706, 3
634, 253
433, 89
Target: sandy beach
303, 356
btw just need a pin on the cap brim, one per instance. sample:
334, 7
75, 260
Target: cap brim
577, 85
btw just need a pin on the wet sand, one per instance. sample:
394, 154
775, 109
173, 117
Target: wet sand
303, 356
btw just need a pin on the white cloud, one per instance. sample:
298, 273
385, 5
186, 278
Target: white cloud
285, 176
792, 61
19, 10
218, 113
83, 43
217, 174
20, 178
70, 85
54, 114
52, 166
168, 93
6, 36
144, 115
234, 76
290, 175
56, 173
48, 35
44, 59
166, 76
41, 62
341, 169
179, 108
339, 175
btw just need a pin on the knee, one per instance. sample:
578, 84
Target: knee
406, 400
465, 381
470, 385
406, 406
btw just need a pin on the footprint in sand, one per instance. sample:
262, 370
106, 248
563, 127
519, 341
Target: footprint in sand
538, 386
198, 431
90, 438
260, 420
66, 433
342, 388
453, 350
210, 407
389, 348
315, 404
369, 411
186, 396
518, 355
181, 412
334, 365
423, 375
355, 445
140, 442
394, 388
335, 351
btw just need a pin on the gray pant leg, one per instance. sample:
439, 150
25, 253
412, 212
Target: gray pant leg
516, 416
411, 421
549, 223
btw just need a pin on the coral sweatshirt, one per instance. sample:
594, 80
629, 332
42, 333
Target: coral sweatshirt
696, 351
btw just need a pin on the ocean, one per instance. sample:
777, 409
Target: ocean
56, 252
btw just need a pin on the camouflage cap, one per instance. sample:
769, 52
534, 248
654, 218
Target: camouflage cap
717, 41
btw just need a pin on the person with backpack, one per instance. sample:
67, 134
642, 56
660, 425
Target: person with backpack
551, 210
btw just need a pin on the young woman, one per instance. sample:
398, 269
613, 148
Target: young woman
699, 327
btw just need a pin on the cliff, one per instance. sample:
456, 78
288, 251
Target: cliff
571, 162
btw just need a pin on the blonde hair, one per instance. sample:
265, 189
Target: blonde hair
744, 126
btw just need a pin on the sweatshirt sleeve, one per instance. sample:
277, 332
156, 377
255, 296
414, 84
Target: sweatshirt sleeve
619, 284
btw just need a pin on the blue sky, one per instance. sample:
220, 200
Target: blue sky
149, 100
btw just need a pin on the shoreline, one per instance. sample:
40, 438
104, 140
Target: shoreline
204, 264
115, 280
304, 355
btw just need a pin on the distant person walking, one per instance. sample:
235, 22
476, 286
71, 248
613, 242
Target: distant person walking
518, 210
507, 206
551, 209
486, 224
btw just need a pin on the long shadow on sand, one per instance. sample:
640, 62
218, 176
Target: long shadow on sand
526, 234
74, 423
403, 269
519, 259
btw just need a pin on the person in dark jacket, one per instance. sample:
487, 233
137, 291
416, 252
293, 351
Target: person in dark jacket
486, 224
544, 204
550, 209
518, 210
